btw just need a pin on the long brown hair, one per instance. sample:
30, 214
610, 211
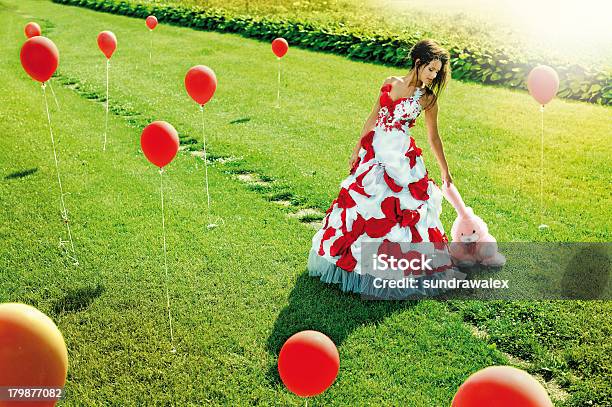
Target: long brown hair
425, 51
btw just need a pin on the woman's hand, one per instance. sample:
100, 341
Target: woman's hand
353, 159
446, 178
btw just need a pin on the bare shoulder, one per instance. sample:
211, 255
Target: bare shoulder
392, 80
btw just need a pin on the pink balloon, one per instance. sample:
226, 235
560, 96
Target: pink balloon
39, 57
151, 22
32, 30
201, 83
501, 386
543, 83
107, 43
280, 47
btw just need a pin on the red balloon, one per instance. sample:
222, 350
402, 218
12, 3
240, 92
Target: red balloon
280, 47
39, 57
32, 30
543, 83
160, 143
501, 386
201, 83
308, 363
151, 22
107, 42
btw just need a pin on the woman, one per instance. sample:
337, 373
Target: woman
388, 200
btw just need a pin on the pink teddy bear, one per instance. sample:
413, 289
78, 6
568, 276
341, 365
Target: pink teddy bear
471, 241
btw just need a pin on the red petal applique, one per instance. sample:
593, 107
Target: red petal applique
329, 233
340, 245
438, 238
378, 227
409, 218
347, 261
344, 242
391, 183
358, 226
413, 152
418, 189
366, 143
360, 178
357, 186
359, 189
345, 200
343, 221
390, 207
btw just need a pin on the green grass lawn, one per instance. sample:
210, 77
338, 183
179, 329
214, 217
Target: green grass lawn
240, 290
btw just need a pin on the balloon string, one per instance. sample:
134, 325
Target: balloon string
150, 45
54, 97
106, 118
542, 167
64, 211
279, 83
205, 160
161, 189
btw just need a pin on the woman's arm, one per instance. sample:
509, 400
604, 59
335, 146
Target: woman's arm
435, 142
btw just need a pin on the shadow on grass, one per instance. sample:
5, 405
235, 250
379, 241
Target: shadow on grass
241, 120
587, 274
77, 299
21, 174
324, 307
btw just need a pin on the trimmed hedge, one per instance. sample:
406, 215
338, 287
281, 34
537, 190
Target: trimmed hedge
489, 67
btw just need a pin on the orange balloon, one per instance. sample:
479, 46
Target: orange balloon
32, 352
501, 386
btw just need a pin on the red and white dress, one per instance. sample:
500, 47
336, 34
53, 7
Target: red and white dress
387, 198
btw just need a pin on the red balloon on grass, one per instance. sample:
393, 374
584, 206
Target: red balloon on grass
39, 57
151, 22
200, 83
32, 30
32, 352
107, 42
308, 363
543, 83
160, 143
501, 386
280, 47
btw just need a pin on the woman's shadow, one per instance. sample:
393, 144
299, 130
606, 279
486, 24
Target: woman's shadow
314, 305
